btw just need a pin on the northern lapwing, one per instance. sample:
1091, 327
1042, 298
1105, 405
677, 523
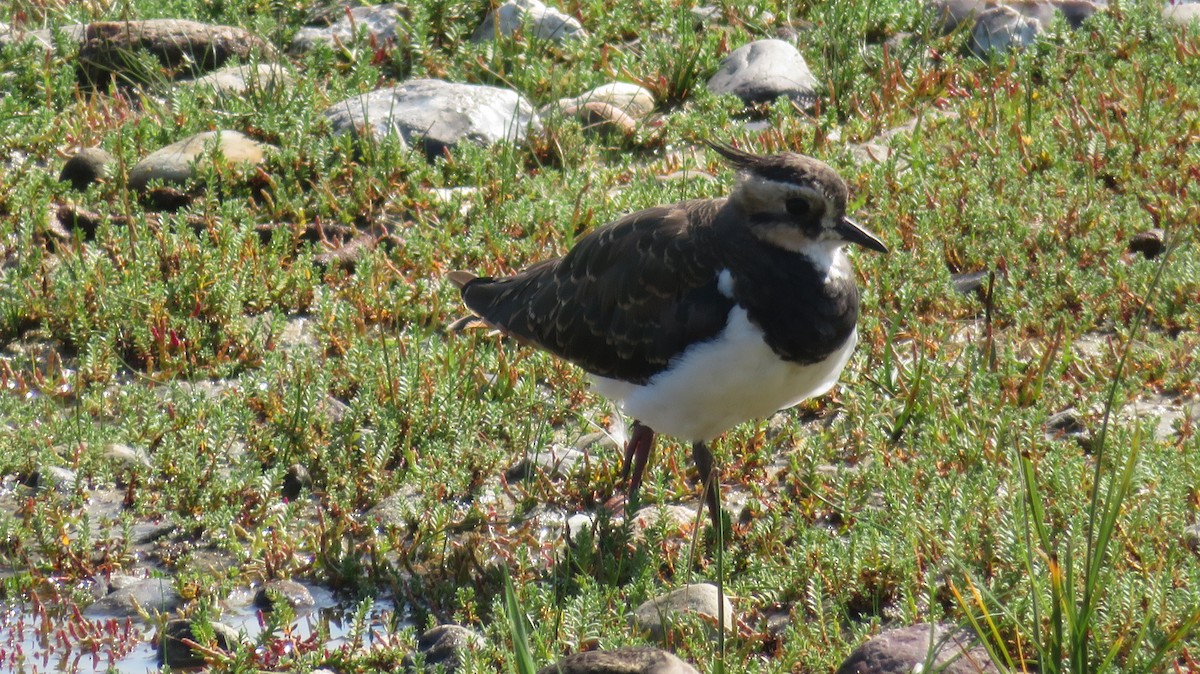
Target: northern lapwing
699, 315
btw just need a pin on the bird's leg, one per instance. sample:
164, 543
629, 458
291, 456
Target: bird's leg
703, 458
637, 453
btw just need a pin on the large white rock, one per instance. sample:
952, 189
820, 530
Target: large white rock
765, 70
545, 23
437, 115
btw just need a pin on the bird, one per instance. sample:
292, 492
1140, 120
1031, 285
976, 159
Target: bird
697, 316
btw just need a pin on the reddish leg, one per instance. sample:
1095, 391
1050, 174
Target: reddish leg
709, 477
637, 453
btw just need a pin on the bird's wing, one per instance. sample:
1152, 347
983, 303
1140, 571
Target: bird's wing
624, 301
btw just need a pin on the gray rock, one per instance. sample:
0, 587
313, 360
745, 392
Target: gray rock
620, 661
953, 13
174, 653
176, 163
298, 334
378, 24
1191, 537
44, 38
296, 480
765, 70
1149, 243
556, 461
676, 518
700, 600
1001, 29
1182, 13
445, 647
705, 14
183, 48
1074, 12
617, 106
89, 165
289, 591
919, 648
631, 99
1065, 422
398, 509
61, 480
532, 17
327, 12
602, 117
239, 80
436, 115
132, 597
1165, 411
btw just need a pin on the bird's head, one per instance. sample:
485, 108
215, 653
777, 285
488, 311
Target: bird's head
794, 202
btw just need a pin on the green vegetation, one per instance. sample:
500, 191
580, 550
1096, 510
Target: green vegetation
925, 487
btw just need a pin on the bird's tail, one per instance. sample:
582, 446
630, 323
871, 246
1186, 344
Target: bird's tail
460, 279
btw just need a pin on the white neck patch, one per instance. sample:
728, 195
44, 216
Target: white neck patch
826, 255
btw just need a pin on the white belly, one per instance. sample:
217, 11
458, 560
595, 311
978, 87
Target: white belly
717, 385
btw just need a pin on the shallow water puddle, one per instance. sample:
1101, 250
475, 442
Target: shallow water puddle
42, 636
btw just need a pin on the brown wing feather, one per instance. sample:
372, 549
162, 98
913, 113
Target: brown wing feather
624, 301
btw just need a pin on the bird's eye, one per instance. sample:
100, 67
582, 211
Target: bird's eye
799, 207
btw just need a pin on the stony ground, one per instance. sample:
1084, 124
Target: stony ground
235, 432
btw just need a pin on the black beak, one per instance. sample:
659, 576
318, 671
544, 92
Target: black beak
855, 233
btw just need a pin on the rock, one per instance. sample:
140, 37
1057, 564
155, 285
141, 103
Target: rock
445, 647
176, 163
378, 25
1149, 243
298, 334
398, 510
327, 12
620, 661
579, 523
1165, 412
289, 591
950, 14
953, 13
700, 600
909, 649
182, 47
764, 70
631, 99
675, 518
1001, 29
705, 14
436, 115
557, 461
531, 17
174, 653
332, 410
61, 480
1065, 423
1191, 537
295, 480
1074, 12
603, 117
1182, 13
89, 165
131, 597
45, 38
239, 80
